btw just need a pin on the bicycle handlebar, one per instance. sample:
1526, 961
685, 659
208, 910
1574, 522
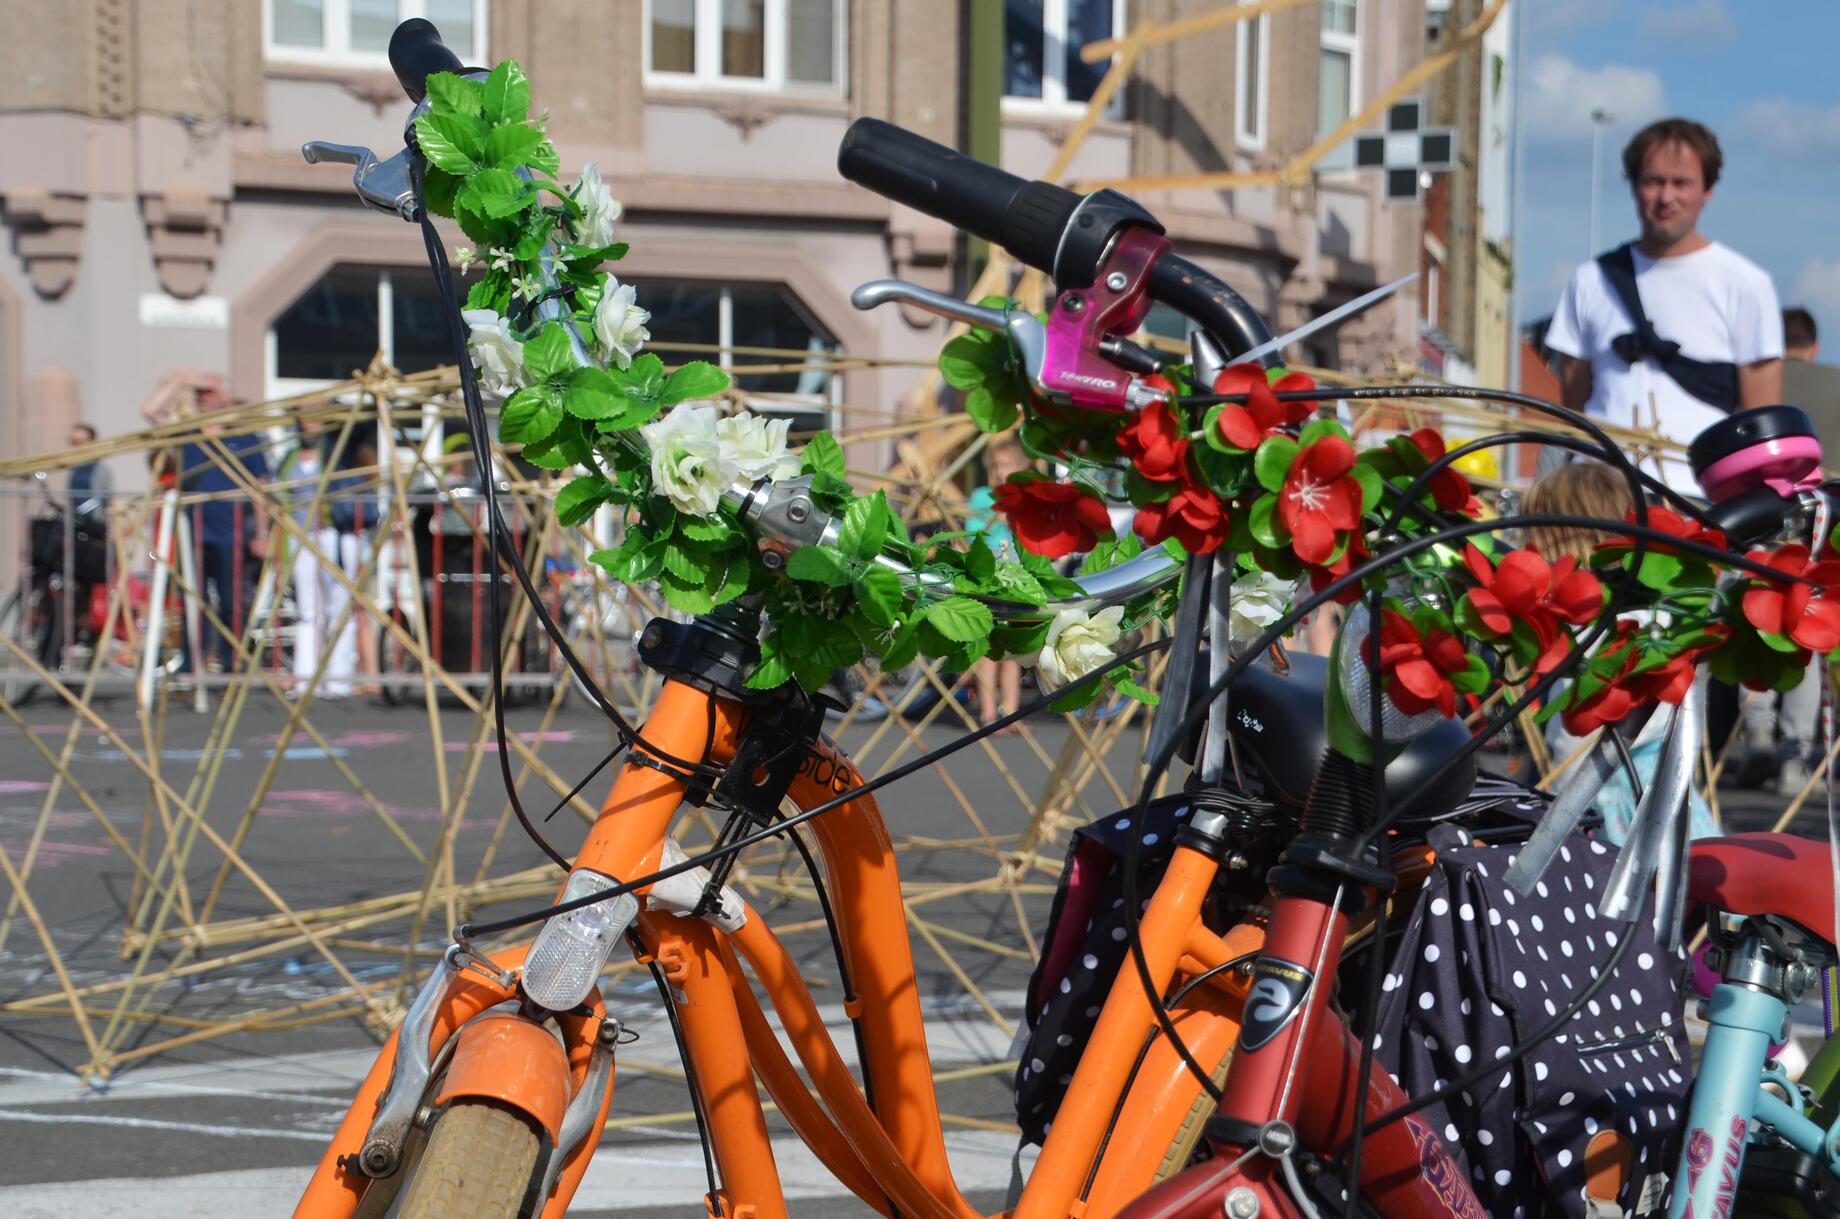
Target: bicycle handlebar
416, 53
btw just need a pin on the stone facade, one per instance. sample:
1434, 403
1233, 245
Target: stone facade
158, 212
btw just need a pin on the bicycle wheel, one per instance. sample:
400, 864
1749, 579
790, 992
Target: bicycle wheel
30, 619
477, 1165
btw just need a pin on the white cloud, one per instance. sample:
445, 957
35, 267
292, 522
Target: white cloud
1561, 96
1817, 289
1796, 128
1696, 21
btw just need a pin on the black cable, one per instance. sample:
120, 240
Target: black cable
1629, 762
696, 1093
468, 931
585, 780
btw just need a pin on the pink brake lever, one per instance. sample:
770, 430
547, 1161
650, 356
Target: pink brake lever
1074, 370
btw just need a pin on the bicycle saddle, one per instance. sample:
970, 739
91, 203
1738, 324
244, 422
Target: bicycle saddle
1761, 873
1277, 726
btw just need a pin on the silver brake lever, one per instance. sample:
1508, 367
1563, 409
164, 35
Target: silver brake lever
384, 185
1023, 328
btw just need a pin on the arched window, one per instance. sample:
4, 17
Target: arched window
349, 315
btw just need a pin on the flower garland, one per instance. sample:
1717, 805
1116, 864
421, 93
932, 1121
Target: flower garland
1292, 497
492, 168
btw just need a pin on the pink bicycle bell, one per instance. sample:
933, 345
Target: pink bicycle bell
1771, 446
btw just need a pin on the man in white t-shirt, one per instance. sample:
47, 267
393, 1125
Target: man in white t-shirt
1714, 338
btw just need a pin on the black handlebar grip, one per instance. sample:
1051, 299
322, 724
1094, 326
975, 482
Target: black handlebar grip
416, 53
1026, 218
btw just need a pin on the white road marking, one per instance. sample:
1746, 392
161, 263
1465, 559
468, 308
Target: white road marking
62, 1118
622, 1177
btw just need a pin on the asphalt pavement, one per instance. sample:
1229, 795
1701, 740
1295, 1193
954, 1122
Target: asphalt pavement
231, 1125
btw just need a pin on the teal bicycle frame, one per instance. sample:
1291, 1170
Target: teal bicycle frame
1747, 1013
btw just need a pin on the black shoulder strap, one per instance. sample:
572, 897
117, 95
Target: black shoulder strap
1619, 268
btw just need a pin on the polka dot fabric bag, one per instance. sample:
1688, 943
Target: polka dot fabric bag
1082, 951
1479, 969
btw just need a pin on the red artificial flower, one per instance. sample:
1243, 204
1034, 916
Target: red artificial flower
1627, 690
1525, 588
1324, 574
1663, 521
1193, 516
1805, 612
1449, 489
1415, 667
1156, 444
1244, 427
1052, 519
1320, 498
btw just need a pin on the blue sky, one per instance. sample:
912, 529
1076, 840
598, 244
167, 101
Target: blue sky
1763, 74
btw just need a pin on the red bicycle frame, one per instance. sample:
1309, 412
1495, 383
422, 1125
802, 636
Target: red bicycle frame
1296, 1069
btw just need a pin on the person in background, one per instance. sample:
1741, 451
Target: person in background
1673, 318
999, 682
1590, 488
231, 537
91, 482
1811, 385
319, 599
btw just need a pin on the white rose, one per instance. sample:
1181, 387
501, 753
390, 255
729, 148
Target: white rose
1078, 643
619, 323
599, 209
498, 357
1259, 599
690, 466
758, 445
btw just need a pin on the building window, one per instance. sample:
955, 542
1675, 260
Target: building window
1042, 41
753, 318
358, 31
1254, 92
791, 46
347, 317
1339, 84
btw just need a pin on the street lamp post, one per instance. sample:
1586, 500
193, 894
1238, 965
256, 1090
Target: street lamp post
1600, 118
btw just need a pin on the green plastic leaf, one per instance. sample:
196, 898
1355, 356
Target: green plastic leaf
879, 595
1210, 432
705, 530
686, 564
576, 502
1020, 584
454, 92
1659, 571
1263, 521
491, 292
819, 564
738, 575
1316, 429
531, 414
970, 360
643, 380
697, 379
545, 159
1131, 689
1079, 700
567, 446
686, 597
773, 671
592, 394
980, 563
991, 411
547, 356
510, 146
453, 142
507, 93
823, 455
1777, 643
1273, 461
960, 619
901, 650
588, 258
495, 193
865, 525
1372, 485
1472, 680
439, 189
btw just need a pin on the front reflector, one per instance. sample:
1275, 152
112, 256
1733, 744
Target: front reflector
573, 948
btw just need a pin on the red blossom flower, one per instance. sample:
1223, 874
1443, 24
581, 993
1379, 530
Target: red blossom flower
1052, 519
1244, 427
1156, 444
1627, 690
1193, 516
1324, 574
1415, 667
1807, 613
1320, 498
1525, 588
1663, 521
1449, 489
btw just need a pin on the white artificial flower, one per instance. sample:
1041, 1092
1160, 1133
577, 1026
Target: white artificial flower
758, 445
502, 260
599, 209
498, 356
467, 256
1259, 599
1078, 643
690, 465
619, 323
525, 287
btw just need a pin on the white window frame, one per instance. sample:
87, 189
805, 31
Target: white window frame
708, 74
1053, 99
282, 387
335, 48
831, 401
1349, 45
1254, 135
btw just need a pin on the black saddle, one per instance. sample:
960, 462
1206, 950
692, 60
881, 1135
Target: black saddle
1277, 729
